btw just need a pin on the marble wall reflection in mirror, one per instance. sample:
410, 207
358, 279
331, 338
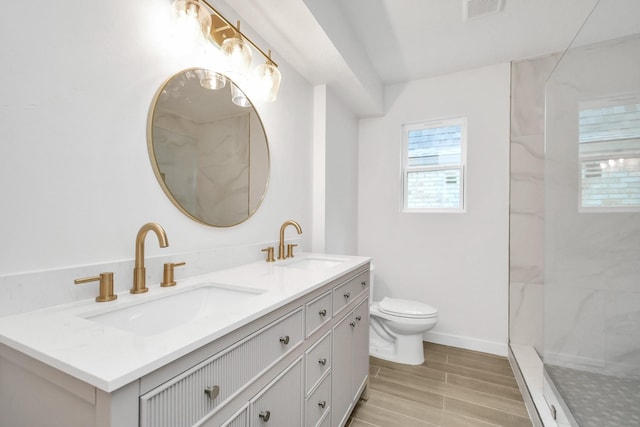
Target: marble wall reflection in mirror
210, 155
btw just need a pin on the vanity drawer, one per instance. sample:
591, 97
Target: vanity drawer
346, 292
319, 403
318, 312
184, 400
241, 419
318, 361
280, 403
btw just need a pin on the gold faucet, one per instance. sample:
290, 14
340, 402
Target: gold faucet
281, 254
139, 279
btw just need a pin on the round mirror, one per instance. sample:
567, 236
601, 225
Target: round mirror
208, 148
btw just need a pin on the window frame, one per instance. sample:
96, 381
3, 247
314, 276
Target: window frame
405, 169
603, 156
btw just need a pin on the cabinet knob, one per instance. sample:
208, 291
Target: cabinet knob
265, 415
284, 340
212, 392
347, 295
353, 324
322, 312
322, 404
358, 318
364, 284
322, 361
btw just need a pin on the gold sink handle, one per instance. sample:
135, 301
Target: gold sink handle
269, 252
106, 286
167, 276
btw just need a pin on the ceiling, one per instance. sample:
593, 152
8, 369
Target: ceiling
359, 46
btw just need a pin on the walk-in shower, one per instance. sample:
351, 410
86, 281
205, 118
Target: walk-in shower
592, 228
588, 285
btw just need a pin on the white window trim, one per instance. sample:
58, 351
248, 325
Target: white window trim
404, 168
592, 104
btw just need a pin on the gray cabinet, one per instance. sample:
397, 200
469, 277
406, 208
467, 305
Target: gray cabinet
350, 361
302, 364
280, 403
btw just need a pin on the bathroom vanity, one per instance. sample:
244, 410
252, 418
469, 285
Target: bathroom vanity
281, 344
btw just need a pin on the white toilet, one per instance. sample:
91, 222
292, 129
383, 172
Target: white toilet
396, 328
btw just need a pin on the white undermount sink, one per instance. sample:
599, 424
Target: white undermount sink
313, 263
157, 315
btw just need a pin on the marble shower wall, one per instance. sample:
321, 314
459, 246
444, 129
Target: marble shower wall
526, 252
592, 259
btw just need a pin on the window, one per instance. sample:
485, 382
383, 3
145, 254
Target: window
433, 162
609, 152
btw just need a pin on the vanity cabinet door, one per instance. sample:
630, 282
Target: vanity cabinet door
350, 367
279, 404
341, 396
360, 346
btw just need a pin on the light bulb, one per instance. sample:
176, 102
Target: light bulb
191, 23
268, 81
211, 80
238, 53
238, 97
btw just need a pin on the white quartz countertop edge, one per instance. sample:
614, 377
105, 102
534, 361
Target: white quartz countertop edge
109, 358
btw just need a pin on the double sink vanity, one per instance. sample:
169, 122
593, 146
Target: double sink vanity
267, 343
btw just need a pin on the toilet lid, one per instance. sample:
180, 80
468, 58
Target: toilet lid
406, 308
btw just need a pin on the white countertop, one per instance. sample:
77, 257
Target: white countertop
109, 358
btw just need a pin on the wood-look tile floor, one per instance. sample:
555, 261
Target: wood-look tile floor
452, 388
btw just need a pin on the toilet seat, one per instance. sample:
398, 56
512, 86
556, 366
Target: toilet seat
406, 308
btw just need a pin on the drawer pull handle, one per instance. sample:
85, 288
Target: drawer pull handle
284, 340
265, 415
212, 392
322, 312
322, 404
364, 284
358, 318
322, 361
353, 324
347, 295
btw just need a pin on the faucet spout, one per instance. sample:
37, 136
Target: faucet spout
139, 274
281, 254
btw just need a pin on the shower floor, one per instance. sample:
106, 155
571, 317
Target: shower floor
597, 400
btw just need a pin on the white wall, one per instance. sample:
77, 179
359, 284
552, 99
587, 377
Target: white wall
341, 210
455, 262
76, 179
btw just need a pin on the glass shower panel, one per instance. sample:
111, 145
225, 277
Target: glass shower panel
592, 226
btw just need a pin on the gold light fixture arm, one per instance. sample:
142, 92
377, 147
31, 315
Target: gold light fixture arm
227, 26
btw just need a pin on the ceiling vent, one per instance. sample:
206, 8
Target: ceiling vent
472, 9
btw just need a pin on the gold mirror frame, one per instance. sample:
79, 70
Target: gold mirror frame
210, 156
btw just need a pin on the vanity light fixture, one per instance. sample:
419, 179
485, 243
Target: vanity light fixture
191, 20
236, 47
268, 79
238, 54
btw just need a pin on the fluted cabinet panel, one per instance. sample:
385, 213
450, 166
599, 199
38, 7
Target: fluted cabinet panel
240, 420
183, 400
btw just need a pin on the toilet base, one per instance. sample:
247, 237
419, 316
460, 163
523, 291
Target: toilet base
405, 349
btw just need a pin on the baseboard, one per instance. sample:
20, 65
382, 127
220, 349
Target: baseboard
484, 346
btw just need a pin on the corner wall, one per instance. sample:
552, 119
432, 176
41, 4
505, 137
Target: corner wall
526, 210
457, 263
